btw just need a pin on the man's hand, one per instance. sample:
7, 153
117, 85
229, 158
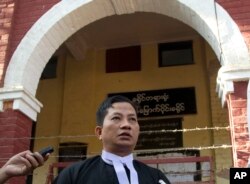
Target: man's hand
21, 164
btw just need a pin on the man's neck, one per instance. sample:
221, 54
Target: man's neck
120, 154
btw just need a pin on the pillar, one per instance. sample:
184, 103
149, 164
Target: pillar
15, 131
237, 106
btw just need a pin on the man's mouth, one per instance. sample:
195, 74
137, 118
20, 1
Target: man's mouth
124, 134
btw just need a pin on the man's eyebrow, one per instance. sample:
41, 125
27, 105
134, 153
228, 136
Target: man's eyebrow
132, 115
116, 113
120, 114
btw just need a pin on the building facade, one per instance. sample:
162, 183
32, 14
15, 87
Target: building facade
82, 38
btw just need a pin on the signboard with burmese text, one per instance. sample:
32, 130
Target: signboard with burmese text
155, 134
164, 102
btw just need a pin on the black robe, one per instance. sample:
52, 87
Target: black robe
95, 171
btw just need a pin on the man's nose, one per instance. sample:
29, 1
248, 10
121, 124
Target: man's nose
125, 124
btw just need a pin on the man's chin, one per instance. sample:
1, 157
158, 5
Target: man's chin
125, 145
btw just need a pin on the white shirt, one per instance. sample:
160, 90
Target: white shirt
118, 163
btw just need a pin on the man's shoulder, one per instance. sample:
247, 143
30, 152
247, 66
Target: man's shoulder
142, 165
71, 173
84, 163
152, 174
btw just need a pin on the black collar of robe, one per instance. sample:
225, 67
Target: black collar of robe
95, 171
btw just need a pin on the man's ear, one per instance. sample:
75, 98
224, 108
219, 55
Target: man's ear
98, 132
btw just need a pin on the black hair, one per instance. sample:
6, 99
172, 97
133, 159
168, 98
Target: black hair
107, 103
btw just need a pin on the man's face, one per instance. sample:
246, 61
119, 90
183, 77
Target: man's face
120, 129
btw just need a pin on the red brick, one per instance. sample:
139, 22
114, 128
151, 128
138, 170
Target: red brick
3, 48
239, 120
240, 89
7, 149
237, 112
238, 10
11, 5
233, 4
240, 129
242, 15
3, 5
234, 96
246, 33
244, 22
241, 138
16, 128
241, 163
244, 111
3, 141
18, 180
4, 20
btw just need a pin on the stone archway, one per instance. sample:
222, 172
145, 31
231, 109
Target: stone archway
42, 40
29, 59
207, 18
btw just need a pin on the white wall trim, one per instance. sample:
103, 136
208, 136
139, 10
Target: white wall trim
226, 77
22, 101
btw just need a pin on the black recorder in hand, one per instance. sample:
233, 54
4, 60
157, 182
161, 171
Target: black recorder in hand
46, 150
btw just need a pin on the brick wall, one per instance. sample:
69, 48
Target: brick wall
15, 130
239, 11
14, 125
24, 16
6, 15
237, 102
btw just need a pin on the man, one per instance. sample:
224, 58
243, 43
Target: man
118, 129
21, 164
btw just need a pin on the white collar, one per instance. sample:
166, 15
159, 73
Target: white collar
118, 163
108, 157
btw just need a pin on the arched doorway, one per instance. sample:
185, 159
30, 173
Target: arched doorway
26, 65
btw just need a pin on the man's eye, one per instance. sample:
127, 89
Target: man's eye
133, 119
115, 118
